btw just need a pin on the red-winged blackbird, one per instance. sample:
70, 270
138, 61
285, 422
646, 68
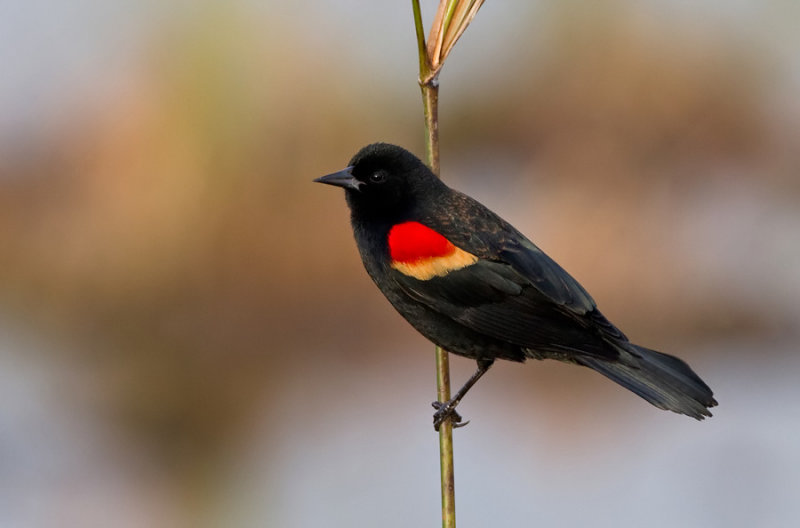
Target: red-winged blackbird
470, 282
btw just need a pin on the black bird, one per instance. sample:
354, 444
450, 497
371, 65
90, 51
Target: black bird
471, 283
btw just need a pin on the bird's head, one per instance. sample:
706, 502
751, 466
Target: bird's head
384, 180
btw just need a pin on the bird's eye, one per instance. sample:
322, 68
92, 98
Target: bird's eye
377, 177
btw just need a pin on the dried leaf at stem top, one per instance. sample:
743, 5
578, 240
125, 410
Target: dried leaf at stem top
451, 20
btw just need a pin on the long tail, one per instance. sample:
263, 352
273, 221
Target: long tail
665, 381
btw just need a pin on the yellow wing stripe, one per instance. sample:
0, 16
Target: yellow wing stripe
429, 267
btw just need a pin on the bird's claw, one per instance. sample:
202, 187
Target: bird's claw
446, 411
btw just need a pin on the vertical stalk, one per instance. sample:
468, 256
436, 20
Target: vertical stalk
429, 85
446, 465
430, 105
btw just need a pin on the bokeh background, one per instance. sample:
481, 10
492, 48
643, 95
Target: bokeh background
187, 336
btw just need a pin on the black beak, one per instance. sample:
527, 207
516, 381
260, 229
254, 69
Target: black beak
343, 178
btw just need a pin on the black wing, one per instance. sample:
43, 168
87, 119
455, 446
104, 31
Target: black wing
490, 237
546, 275
496, 300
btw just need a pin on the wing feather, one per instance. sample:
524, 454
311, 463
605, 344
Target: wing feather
490, 237
494, 299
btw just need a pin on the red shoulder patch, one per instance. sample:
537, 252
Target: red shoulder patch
420, 252
412, 241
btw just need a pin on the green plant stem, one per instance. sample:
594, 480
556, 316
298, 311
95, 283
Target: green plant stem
430, 105
423, 53
448, 17
446, 465
430, 102
430, 97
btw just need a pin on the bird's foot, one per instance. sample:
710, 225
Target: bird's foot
446, 411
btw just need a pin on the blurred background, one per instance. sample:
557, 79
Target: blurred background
188, 338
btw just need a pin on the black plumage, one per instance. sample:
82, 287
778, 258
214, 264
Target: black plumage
511, 301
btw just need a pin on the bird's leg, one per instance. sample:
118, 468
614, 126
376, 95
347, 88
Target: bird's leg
447, 410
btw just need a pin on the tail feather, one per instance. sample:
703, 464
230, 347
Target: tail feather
665, 381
